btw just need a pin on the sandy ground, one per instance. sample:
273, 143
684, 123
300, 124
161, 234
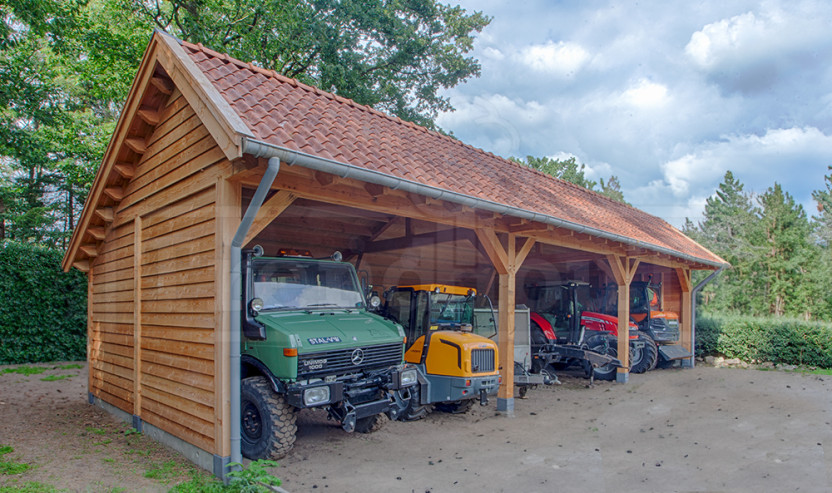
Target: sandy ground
705, 430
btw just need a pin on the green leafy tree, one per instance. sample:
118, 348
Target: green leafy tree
572, 171
612, 189
393, 55
789, 253
821, 273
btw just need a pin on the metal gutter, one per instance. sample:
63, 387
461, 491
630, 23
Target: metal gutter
693, 312
236, 289
292, 157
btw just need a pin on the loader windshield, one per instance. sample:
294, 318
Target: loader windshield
451, 309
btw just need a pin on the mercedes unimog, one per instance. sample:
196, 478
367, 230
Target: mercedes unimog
309, 341
456, 367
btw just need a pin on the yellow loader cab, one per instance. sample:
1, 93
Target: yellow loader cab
456, 366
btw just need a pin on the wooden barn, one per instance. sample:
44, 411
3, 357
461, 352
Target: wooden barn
199, 133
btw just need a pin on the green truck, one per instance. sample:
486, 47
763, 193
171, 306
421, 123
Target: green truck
310, 342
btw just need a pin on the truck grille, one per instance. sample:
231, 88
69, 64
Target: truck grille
482, 360
664, 330
344, 361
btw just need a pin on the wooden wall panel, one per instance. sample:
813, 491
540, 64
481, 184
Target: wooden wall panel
163, 238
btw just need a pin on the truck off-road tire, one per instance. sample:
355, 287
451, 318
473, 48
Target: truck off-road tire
414, 409
458, 407
370, 424
643, 358
608, 347
269, 423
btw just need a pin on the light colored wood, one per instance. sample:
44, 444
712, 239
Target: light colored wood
686, 316
201, 351
82, 265
182, 278
228, 206
174, 427
182, 305
198, 365
269, 211
506, 304
189, 133
183, 390
113, 287
115, 193
151, 117
191, 218
623, 270
196, 320
189, 334
168, 401
181, 207
191, 185
683, 275
90, 250
125, 170
97, 233
137, 317
136, 144
193, 290
180, 251
114, 318
116, 275
181, 236
195, 261
164, 85
496, 253
105, 213
180, 376
92, 334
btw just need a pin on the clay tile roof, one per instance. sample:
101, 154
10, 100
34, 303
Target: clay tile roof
286, 113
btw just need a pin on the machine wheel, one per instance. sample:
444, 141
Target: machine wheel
371, 423
608, 347
458, 407
643, 358
269, 423
537, 336
414, 409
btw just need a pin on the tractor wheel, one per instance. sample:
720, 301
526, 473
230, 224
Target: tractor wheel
269, 423
538, 337
415, 410
605, 346
458, 407
371, 423
641, 359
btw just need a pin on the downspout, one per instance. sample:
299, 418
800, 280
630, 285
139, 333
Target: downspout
693, 312
237, 293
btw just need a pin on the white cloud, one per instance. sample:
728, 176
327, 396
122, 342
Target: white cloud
645, 94
560, 59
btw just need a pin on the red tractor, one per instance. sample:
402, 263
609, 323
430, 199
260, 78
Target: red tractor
646, 309
561, 314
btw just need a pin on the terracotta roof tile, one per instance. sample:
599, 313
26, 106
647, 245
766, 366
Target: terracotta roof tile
337, 128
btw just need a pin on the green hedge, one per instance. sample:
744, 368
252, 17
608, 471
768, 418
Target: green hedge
43, 311
776, 340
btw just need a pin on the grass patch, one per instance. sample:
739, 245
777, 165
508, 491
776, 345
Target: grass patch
24, 370
53, 378
163, 472
29, 487
10, 468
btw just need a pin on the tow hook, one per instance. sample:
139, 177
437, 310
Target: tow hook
483, 397
348, 424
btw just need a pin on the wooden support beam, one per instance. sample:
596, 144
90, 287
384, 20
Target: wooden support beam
90, 250
324, 179
423, 239
151, 117
686, 316
115, 193
97, 233
374, 190
136, 144
137, 317
82, 265
165, 86
105, 213
269, 211
126, 170
623, 270
528, 227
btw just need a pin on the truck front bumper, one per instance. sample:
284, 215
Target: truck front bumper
450, 389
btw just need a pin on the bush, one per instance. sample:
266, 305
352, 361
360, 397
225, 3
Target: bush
776, 340
43, 311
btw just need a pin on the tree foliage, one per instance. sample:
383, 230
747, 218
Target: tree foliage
393, 55
573, 172
780, 262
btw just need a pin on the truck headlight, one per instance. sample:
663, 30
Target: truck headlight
315, 396
408, 378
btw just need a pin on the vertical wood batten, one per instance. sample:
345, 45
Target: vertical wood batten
228, 209
137, 318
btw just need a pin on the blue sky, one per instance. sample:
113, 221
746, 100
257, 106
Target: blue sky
665, 95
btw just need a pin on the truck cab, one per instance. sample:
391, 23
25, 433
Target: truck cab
309, 341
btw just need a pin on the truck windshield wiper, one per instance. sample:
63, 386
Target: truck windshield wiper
323, 304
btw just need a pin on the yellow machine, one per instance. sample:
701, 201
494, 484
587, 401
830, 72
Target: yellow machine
456, 366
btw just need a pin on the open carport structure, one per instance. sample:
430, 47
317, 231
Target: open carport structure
201, 132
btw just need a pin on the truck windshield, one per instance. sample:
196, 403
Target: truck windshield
298, 284
451, 309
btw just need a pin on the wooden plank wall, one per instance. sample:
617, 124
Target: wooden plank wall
171, 311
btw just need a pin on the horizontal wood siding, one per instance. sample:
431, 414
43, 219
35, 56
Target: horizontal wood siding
111, 358
173, 192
